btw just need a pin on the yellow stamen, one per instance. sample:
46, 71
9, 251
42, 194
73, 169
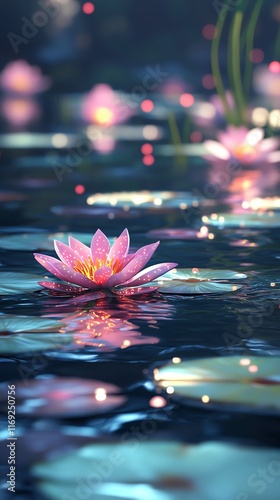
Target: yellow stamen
88, 266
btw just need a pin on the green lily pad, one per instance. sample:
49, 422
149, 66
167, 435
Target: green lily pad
12, 283
252, 382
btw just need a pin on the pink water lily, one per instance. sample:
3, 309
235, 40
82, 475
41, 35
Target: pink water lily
18, 77
102, 266
244, 146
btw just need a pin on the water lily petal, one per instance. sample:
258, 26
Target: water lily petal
66, 254
100, 246
79, 248
140, 259
217, 149
102, 274
273, 157
135, 291
62, 271
150, 274
61, 287
270, 144
232, 136
120, 248
83, 298
254, 136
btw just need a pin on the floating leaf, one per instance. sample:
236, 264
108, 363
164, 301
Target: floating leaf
253, 382
30, 342
67, 397
11, 283
197, 281
163, 470
40, 241
253, 219
10, 323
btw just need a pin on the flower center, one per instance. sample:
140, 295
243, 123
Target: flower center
103, 116
245, 152
88, 267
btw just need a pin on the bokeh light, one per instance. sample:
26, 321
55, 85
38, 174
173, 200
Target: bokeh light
148, 160
147, 106
186, 100
274, 67
79, 189
196, 136
209, 31
208, 82
88, 8
147, 149
256, 56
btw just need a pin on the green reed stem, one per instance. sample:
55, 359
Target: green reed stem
176, 138
236, 69
277, 46
230, 70
250, 33
215, 63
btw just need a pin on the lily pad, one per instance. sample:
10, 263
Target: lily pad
63, 397
198, 281
10, 323
159, 470
146, 199
12, 283
177, 234
251, 383
40, 241
30, 342
253, 219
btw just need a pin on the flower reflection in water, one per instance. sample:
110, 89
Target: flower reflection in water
20, 111
247, 147
108, 326
104, 107
18, 77
241, 184
104, 330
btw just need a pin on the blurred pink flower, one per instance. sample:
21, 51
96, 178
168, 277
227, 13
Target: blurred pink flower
104, 107
216, 100
19, 77
20, 111
244, 146
102, 265
266, 79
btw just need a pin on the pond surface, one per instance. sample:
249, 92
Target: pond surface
54, 359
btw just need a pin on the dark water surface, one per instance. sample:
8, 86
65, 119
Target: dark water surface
140, 332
